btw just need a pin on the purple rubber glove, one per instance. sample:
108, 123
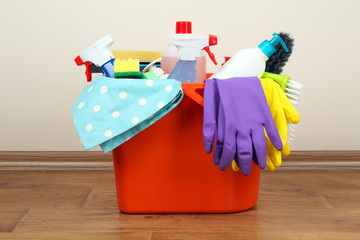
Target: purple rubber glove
235, 112
245, 112
211, 109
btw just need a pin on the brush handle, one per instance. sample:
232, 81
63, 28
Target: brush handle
282, 80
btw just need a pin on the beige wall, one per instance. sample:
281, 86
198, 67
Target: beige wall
40, 39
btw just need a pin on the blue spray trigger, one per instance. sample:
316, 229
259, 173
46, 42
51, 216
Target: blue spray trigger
268, 47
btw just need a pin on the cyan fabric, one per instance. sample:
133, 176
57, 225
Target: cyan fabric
110, 111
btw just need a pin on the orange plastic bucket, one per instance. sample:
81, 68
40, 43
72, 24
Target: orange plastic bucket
164, 169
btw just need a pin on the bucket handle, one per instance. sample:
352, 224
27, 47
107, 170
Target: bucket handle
194, 91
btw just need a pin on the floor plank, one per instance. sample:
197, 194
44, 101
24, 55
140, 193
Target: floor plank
10, 217
76, 236
255, 236
44, 197
101, 198
259, 219
37, 179
83, 204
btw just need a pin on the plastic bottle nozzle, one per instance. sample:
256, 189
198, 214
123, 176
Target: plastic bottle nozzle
98, 54
88, 66
190, 45
212, 40
268, 47
276, 40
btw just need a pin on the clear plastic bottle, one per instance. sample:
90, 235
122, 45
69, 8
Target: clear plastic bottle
169, 58
170, 54
184, 71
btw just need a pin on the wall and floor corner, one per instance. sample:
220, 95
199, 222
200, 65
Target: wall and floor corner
40, 39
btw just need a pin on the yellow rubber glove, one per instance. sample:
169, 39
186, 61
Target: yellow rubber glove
282, 111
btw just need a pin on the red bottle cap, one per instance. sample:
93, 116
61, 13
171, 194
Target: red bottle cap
183, 27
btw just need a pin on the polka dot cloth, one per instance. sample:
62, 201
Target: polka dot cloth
111, 111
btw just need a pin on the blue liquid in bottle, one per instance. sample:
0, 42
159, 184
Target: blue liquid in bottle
184, 71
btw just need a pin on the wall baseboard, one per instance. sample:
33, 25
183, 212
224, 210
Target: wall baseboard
98, 161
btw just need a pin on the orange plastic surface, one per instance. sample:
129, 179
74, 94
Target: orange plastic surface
208, 75
164, 169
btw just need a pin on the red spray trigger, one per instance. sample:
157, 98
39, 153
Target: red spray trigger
212, 42
88, 66
211, 55
78, 61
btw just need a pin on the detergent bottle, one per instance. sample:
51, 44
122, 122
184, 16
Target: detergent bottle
169, 56
189, 46
99, 54
250, 61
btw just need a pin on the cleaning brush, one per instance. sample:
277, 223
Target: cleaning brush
291, 88
278, 60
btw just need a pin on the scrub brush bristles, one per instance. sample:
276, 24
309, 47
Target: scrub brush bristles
292, 90
278, 60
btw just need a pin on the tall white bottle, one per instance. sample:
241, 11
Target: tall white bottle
249, 62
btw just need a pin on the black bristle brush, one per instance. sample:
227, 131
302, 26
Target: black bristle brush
278, 60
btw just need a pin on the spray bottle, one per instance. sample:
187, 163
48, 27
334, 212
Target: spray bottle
99, 54
189, 47
169, 56
251, 61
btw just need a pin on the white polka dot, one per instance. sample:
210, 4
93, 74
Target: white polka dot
142, 101
103, 89
108, 133
151, 123
81, 105
89, 128
128, 138
149, 83
123, 95
160, 105
115, 114
168, 88
135, 120
96, 108
90, 88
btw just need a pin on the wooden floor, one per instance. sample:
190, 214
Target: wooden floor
81, 204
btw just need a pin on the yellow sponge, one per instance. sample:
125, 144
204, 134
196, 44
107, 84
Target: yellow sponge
127, 68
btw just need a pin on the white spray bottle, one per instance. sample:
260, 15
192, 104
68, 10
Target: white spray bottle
99, 54
189, 47
169, 56
250, 62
